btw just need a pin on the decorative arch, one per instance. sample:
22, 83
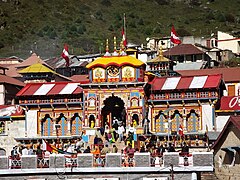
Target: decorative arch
76, 124
160, 119
177, 119
46, 125
2, 152
134, 102
193, 121
135, 119
62, 120
92, 121
113, 107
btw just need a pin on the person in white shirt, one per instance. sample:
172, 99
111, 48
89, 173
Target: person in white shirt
121, 131
25, 150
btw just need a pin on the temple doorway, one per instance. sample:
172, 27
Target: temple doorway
113, 110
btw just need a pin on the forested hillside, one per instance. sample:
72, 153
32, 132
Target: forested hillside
44, 26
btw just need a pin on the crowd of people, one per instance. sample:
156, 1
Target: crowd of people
106, 140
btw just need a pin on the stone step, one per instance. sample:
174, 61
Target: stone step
208, 176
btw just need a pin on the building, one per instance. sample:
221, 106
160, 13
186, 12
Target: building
115, 90
228, 41
226, 150
187, 56
229, 101
189, 101
12, 117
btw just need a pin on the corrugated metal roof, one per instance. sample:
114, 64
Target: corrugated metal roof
229, 74
183, 49
10, 80
195, 82
53, 88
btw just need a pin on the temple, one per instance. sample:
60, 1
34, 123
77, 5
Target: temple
123, 88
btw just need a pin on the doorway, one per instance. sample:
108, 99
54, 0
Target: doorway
113, 110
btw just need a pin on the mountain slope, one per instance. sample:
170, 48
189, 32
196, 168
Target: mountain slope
44, 26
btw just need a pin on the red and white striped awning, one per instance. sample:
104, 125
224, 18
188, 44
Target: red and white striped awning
53, 88
186, 82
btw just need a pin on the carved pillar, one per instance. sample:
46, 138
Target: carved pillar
68, 126
54, 132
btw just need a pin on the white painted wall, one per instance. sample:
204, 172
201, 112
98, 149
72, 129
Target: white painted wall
207, 117
31, 117
237, 89
143, 57
2, 94
232, 42
220, 122
13, 129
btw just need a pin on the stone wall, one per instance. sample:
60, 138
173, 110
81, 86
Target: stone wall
227, 172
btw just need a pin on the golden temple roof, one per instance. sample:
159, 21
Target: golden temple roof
106, 61
159, 58
37, 68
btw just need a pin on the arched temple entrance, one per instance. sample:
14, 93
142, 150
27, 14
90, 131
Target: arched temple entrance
113, 109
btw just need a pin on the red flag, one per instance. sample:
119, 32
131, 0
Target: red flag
180, 130
124, 39
174, 38
65, 54
46, 146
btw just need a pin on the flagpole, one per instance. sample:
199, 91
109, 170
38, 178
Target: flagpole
124, 25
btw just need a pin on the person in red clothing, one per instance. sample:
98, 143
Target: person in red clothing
130, 153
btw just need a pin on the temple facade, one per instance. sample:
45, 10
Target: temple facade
120, 89
115, 92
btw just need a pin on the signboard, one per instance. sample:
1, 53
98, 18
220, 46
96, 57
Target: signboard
230, 103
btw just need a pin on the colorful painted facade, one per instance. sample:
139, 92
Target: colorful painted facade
115, 91
187, 101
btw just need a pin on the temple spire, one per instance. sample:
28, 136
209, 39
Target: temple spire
115, 47
160, 53
122, 50
107, 49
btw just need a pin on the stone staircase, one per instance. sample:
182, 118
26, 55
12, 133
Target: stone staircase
120, 145
208, 176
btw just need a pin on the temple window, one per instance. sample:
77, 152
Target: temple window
190, 95
203, 94
175, 95
213, 94
160, 96
193, 124
2, 127
46, 125
177, 120
76, 124
134, 102
91, 102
